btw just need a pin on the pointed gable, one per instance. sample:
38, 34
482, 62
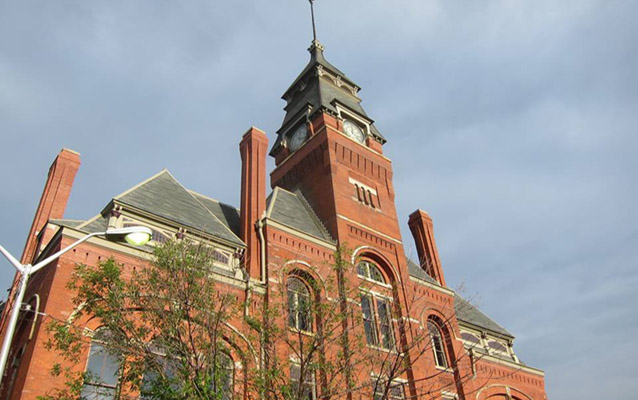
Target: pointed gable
292, 210
164, 196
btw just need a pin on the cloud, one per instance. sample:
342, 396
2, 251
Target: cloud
511, 122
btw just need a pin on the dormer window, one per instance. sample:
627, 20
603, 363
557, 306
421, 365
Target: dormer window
221, 257
470, 339
497, 346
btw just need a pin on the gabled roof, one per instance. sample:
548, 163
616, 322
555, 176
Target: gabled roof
226, 213
99, 223
292, 210
164, 196
416, 271
465, 312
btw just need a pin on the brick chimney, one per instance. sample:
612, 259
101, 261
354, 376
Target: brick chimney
253, 149
422, 229
54, 198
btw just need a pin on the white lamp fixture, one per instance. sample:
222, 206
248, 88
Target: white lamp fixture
134, 235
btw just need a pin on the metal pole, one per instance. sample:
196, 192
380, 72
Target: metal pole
17, 303
27, 270
312, 13
25, 273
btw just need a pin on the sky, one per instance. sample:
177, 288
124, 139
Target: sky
513, 123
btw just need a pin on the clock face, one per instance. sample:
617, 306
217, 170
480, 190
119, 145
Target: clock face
353, 131
298, 137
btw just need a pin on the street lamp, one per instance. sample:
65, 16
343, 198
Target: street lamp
134, 235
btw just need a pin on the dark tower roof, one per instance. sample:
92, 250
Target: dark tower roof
320, 87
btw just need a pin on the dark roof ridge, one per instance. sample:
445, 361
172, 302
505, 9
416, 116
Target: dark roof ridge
467, 309
211, 199
204, 207
317, 221
290, 209
88, 221
145, 181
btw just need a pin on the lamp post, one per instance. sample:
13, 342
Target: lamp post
135, 235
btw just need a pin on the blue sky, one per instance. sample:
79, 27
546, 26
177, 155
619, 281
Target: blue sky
513, 123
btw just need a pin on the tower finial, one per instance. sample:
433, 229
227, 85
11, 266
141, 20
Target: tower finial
312, 14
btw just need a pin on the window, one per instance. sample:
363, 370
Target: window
370, 271
102, 370
395, 391
160, 380
159, 377
470, 339
299, 303
437, 345
377, 321
223, 376
497, 346
308, 388
221, 257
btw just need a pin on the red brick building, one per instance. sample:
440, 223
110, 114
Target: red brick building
332, 186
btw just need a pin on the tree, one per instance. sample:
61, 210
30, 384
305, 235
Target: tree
304, 331
344, 338
161, 328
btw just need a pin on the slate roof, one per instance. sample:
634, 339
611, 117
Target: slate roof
292, 210
226, 213
164, 196
465, 311
72, 223
316, 58
416, 271
319, 93
99, 223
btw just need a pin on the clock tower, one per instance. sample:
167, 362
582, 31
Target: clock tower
329, 151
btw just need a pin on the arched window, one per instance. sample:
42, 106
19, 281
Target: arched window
160, 379
223, 376
304, 385
437, 345
370, 271
159, 375
377, 321
299, 305
102, 370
